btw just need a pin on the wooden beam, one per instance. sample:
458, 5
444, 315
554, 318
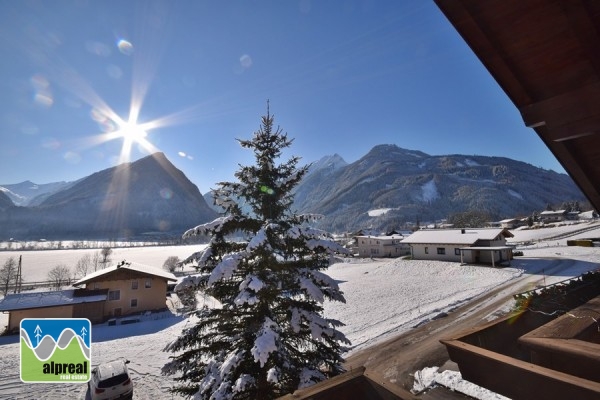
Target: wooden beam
486, 48
578, 12
566, 115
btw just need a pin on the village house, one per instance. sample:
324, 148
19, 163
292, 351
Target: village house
381, 246
464, 245
120, 290
553, 216
510, 223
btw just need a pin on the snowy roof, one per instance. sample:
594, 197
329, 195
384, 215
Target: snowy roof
25, 301
382, 237
465, 237
550, 212
132, 266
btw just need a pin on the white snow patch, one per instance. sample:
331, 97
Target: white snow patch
429, 191
311, 289
265, 343
515, 194
309, 377
429, 377
273, 375
472, 163
226, 267
378, 212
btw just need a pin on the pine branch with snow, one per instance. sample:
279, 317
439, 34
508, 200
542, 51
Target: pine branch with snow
268, 336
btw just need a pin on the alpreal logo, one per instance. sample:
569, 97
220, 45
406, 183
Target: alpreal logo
56, 350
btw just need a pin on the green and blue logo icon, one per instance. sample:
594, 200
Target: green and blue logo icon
56, 350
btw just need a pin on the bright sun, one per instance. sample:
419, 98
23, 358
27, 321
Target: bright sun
131, 133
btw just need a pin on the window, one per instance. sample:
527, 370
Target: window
133, 303
456, 251
148, 283
96, 285
114, 295
134, 285
426, 250
441, 250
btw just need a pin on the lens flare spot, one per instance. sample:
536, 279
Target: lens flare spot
29, 129
50, 143
166, 193
71, 157
267, 190
114, 71
164, 225
125, 47
44, 99
97, 48
39, 82
246, 61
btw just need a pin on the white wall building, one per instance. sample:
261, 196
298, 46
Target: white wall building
381, 246
487, 246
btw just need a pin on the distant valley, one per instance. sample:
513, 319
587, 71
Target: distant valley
386, 189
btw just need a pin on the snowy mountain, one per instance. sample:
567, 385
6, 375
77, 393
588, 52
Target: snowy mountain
5, 201
27, 193
148, 196
386, 188
390, 186
316, 172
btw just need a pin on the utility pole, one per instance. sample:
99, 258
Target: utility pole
19, 278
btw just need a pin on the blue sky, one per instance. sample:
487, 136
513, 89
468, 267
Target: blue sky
341, 77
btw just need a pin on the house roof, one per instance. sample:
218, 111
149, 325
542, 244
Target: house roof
545, 55
131, 266
382, 237
551, 212
465, 237
25, 301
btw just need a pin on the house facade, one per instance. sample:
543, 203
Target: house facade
487, 246
120, 290
381, 246
553, 216
132, 288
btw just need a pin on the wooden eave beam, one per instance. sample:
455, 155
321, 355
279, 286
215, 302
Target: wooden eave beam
476, 36
587, 32
566, 116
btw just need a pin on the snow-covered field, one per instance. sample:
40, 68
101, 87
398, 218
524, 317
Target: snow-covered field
384, 298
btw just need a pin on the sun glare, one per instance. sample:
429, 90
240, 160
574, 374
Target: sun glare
132, 132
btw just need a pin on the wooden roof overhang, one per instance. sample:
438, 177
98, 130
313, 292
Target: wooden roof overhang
545, 55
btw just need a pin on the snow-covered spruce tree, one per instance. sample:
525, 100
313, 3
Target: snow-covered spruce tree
268, 336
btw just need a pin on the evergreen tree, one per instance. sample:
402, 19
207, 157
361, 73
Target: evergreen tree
268, 336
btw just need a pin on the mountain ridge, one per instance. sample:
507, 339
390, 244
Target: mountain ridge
410, 185
149, 195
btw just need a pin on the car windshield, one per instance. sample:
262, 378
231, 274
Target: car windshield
113, 381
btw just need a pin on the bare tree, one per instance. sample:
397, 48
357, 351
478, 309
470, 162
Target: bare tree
105, 253
96, 260
171, 263
8, 274
83, 265
59, 276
